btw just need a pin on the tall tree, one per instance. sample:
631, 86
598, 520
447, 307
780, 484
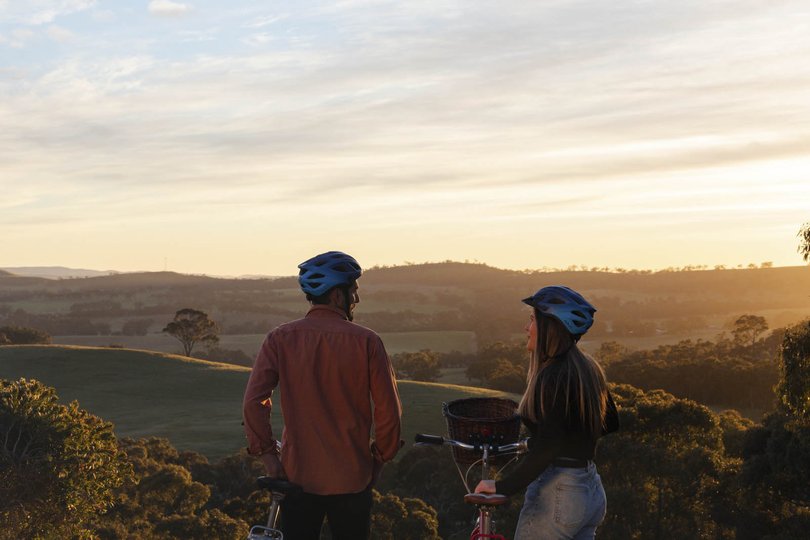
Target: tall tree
804, 242
748, 328
664, 464
794, 384
191, 326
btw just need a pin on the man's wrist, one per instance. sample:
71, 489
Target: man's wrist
272, 450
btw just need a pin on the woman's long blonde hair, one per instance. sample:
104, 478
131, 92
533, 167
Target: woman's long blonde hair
581, 381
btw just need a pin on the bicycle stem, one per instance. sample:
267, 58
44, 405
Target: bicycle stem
485, 463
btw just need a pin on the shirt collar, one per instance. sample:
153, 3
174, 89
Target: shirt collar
322, 310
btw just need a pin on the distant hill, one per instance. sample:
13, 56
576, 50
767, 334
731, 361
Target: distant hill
57, 272
194, 403
642, 309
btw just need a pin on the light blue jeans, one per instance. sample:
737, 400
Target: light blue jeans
562, 503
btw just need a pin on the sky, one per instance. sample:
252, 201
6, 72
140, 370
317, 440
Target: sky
243, 137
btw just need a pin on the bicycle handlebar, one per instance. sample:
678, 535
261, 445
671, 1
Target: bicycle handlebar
520, 446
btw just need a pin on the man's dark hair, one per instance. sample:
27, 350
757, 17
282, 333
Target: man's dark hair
322, 299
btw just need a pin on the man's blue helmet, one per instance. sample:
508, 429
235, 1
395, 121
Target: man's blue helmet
327, 270
566, 305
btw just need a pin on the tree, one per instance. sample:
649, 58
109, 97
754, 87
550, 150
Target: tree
165, 500
418, 366
59, 464
664, 463
191, 326
394, 518
610, 351
507, 376
804, 242
794, 385
747, 330
20, 335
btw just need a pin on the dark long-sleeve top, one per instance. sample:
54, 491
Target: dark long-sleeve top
555, 435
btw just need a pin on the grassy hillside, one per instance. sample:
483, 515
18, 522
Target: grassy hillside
194, 403
395, 342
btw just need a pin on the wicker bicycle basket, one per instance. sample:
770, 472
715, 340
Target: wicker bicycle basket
481, 420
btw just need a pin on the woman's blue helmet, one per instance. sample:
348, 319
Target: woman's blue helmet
327, 270
566, 305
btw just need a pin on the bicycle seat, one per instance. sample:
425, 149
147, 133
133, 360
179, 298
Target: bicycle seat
485, 499
278, 485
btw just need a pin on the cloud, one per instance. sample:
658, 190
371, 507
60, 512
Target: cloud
261, 22
167, 8
41, 12
428, 112
59, 34
20, 37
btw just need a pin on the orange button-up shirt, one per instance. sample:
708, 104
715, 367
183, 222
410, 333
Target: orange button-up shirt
329, 372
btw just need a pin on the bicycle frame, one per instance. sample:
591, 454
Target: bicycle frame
485, 504
278, 490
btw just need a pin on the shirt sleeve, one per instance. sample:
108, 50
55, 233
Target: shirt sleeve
257, 404
544, 445
387, 406
611, 416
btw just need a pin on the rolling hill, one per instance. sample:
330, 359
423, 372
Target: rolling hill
194, 403
639, 309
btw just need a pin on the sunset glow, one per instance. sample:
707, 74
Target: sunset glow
242, 137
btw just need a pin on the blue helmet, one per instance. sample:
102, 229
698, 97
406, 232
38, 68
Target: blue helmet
566, 305
327, 270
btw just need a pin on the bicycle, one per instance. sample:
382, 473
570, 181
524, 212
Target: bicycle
485, 503
279, 489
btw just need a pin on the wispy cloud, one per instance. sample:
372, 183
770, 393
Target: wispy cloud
419, 116
40, 12
59, 34
167, 8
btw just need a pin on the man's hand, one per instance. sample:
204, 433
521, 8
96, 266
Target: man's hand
376, 471
485, 486
273, 466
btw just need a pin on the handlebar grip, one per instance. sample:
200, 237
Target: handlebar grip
428, 439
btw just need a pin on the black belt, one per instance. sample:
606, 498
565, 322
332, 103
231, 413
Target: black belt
571, 463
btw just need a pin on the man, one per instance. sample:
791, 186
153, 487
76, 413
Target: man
329, 372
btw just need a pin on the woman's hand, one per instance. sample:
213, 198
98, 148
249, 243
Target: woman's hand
485, 486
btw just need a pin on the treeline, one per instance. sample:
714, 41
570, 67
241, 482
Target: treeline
441, 296
737, 370
674, 470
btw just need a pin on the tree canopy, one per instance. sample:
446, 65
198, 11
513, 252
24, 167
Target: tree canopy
804, 242
59, 464
794, 386
191, 326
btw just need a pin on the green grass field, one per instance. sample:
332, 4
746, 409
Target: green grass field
193, 403
395, 342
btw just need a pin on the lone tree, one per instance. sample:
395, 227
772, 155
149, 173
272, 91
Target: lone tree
191, 326
804, 242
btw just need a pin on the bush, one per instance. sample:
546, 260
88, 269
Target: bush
20, 335
59, 464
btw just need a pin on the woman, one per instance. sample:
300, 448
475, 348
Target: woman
566, 407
